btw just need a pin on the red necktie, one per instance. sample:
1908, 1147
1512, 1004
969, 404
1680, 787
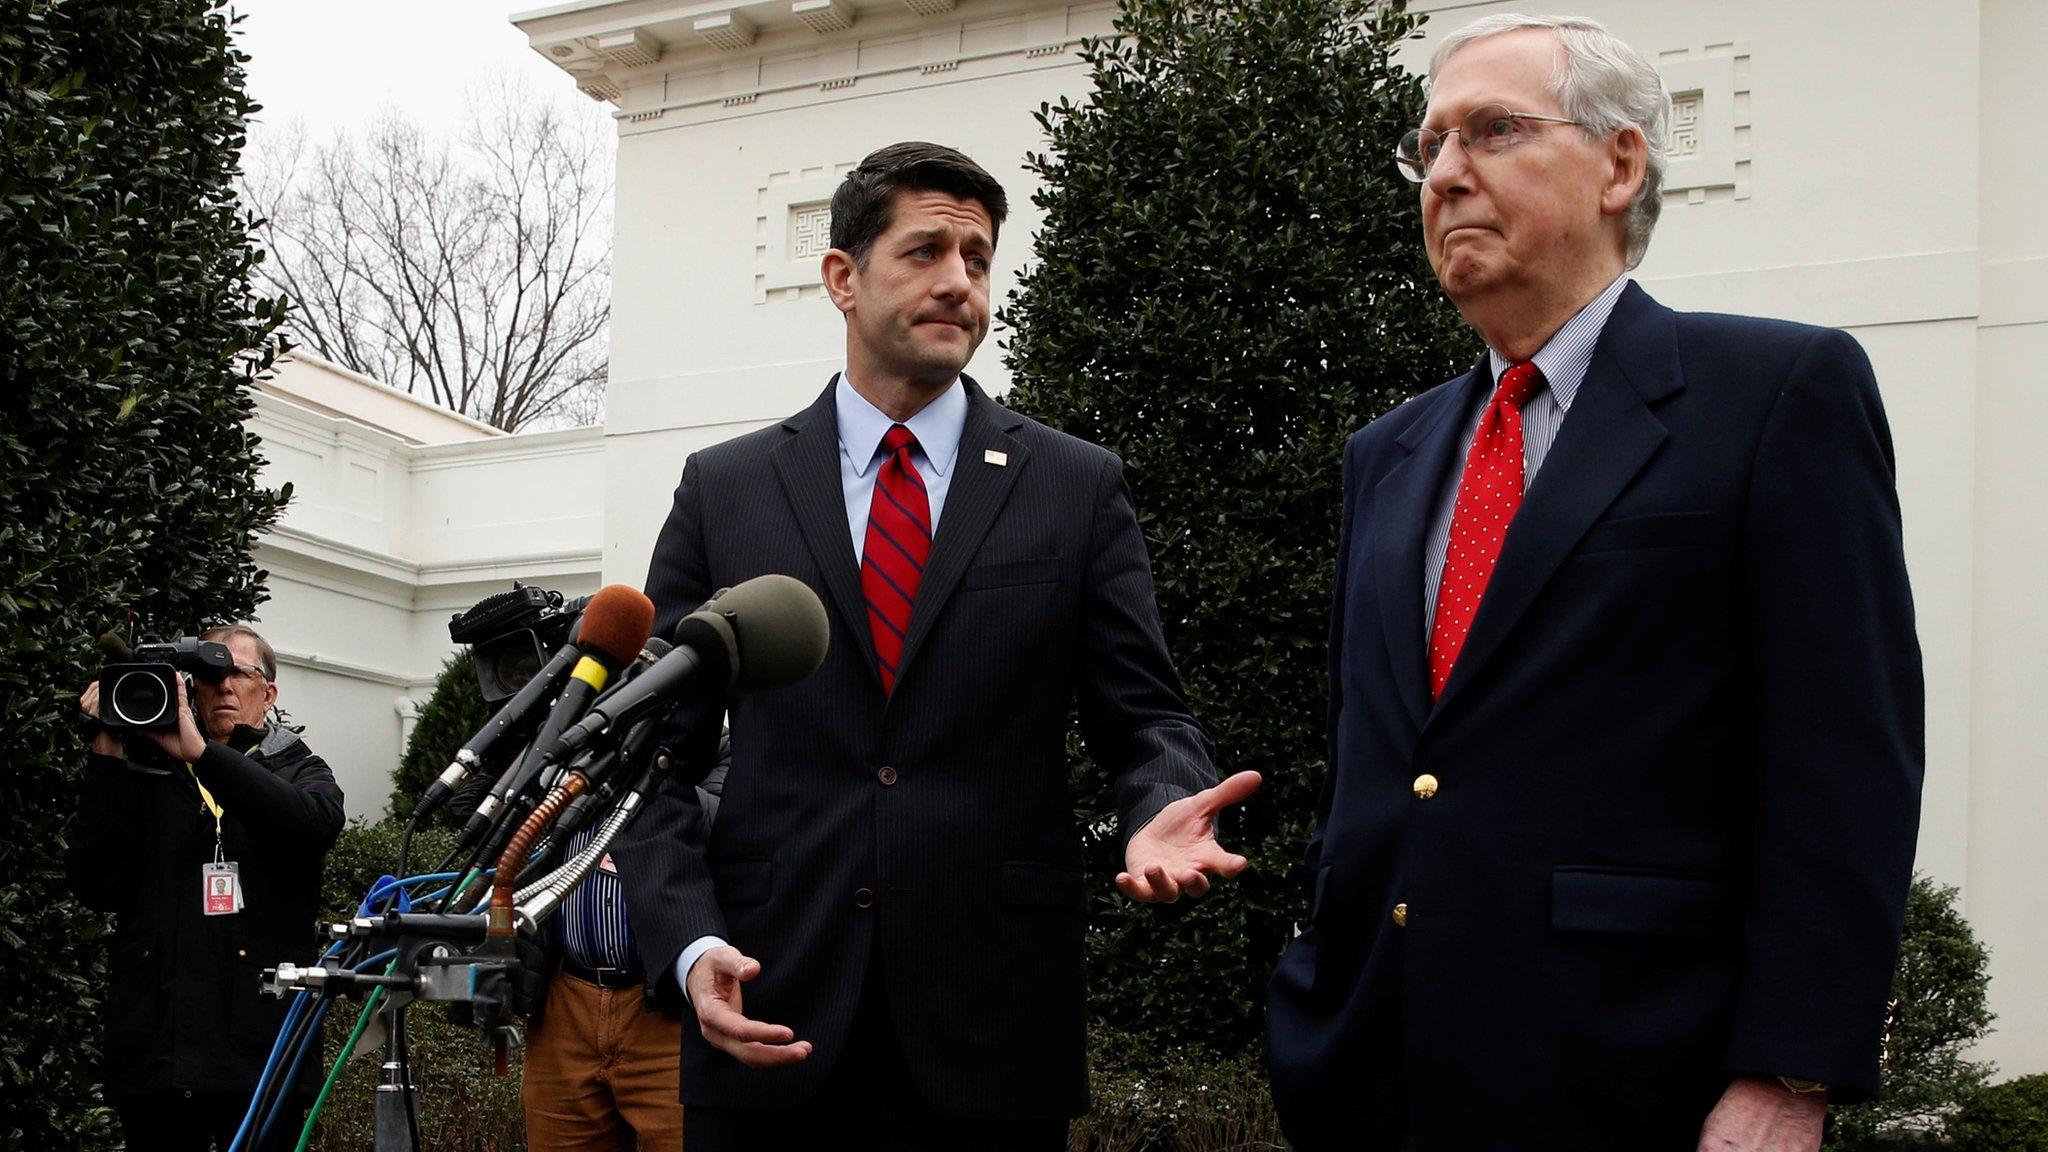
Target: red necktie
1489, 495
899, 541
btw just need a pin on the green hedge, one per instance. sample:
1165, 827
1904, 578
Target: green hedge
1937, 1011
1230, 280
127, 479
2009, 1117
447, 720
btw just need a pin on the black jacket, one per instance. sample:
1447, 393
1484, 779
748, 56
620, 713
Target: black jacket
184, 1006
958, 869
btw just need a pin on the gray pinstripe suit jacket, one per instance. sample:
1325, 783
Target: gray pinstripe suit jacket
1037, 600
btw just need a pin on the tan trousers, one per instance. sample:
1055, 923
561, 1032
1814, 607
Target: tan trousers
601, 1073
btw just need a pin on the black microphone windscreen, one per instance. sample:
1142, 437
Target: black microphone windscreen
780, 629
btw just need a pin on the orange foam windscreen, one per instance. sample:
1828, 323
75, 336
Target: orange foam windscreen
616, 623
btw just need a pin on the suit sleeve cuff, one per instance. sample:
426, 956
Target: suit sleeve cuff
688, 960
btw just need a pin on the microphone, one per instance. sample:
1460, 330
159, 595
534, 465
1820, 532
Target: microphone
650, 653
509, 725
608, 637
768, 632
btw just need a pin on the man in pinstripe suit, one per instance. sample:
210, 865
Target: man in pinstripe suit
1625, 699
894, 881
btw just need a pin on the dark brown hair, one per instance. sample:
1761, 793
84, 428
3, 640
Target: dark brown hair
864, 206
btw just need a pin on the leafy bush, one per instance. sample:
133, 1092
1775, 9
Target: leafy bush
448, 719
1178, 1098
1229, 281
127, 480
463, 1105
363, 852
1938, 1011
2008, 1117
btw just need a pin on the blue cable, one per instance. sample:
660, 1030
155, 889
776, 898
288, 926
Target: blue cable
384, 885
278, 1106
269, 1067
306, 1047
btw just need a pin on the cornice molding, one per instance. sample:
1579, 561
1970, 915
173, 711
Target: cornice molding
663, 64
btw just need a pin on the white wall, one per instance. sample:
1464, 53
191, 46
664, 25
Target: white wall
385, 539
2008, 754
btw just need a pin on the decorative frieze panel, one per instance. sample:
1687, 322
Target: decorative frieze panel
1709, 156
793, 231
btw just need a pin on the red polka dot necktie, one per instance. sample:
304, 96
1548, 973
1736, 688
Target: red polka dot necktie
899, 541
1489, 495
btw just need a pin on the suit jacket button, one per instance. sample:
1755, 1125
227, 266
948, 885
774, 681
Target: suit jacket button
864, 898
1425, 786
887, 775
1400, 915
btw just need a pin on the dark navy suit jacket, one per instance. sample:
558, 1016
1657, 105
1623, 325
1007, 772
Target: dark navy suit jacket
959, 870
1678, 762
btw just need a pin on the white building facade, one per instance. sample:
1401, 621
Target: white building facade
1854, 163
402, 514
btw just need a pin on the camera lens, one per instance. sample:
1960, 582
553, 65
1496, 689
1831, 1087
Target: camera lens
141, 698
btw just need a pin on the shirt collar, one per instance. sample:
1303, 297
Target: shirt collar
937, 426
1564, 358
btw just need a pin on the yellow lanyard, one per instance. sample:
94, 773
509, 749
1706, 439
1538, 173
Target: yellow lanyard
207, 801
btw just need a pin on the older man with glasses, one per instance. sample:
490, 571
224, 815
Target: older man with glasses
206, 843
1625, 699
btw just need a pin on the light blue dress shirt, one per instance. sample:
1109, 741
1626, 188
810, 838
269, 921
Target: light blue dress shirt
1563, 361
937, 427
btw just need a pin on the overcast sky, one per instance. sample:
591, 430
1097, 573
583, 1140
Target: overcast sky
335, 65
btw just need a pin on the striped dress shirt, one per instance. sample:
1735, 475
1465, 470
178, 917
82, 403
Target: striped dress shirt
595, 931
1563, 360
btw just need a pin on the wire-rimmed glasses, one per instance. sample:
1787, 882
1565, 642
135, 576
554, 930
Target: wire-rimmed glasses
1488, 130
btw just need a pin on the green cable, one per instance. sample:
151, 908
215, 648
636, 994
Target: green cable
341, 1061
455, 894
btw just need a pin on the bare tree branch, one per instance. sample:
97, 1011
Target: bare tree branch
476, 273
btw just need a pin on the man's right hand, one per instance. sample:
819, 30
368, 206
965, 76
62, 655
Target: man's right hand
104, 743
714, 990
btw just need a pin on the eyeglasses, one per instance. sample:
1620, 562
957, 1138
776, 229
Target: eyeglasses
241, 674
1487, 131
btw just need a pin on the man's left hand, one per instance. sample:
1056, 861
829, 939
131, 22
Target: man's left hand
184, 742
1757, 1115
1176, 853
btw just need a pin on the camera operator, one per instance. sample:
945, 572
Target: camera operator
206, 841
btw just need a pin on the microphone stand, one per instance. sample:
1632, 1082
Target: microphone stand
397, 1110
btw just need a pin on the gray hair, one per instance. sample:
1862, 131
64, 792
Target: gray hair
1605, 86
264, 652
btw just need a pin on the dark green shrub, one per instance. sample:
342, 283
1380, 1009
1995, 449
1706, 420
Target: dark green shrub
2008, 1117
363, 852
1229, 281
1937, 1011
448, 719
1180, 1098
128, 339
463, 1106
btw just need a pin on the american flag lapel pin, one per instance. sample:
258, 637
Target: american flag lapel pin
999, 459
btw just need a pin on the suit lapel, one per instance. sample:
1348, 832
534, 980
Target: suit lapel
976, 494
807, 464
1610, 433
1407, 497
